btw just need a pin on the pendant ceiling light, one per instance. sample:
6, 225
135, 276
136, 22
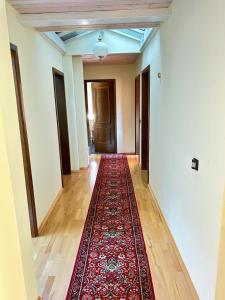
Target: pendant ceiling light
100, 49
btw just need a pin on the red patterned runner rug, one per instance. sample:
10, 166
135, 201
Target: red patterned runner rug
112, 262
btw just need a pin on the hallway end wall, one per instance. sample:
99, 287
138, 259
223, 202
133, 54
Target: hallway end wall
187, 120
125, 103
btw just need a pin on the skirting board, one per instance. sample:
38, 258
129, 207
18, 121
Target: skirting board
45, 220
186, 274
127, 153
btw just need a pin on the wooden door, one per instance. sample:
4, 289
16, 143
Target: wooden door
62, 123
145, 119
137, 115
24, 142
104, 108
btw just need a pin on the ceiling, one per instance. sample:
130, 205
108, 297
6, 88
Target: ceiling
56, 6
111, 59
73, 15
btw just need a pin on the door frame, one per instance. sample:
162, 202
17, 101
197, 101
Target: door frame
137, 79
25, 146
86, 104
146, 70
56, 72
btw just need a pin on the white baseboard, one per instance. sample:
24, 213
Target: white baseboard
183, 267
51, 208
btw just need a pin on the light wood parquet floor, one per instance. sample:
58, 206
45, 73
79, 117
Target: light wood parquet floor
55, 250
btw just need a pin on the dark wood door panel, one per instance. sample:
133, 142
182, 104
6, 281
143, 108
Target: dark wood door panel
24, 142
145, 119
104, 111
137, 115
61, 112
102, 104
103, 135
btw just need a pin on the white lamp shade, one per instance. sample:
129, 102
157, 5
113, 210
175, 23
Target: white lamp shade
100, 49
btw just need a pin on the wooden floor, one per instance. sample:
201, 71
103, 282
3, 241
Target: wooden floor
55, 250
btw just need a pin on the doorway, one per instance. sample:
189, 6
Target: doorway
24, 141
100, 103
137, 115
145, 119
62, 123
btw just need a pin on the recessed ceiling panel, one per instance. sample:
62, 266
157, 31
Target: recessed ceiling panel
134, 33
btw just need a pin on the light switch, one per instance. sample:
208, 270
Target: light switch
195, 164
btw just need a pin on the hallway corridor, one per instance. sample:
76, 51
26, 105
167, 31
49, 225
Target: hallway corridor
56, 248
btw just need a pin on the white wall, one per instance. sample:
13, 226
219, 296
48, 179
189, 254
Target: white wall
71, 111
17, 280
117, 43
220, 287
37, 57
188, 120
81, 123
125, 102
